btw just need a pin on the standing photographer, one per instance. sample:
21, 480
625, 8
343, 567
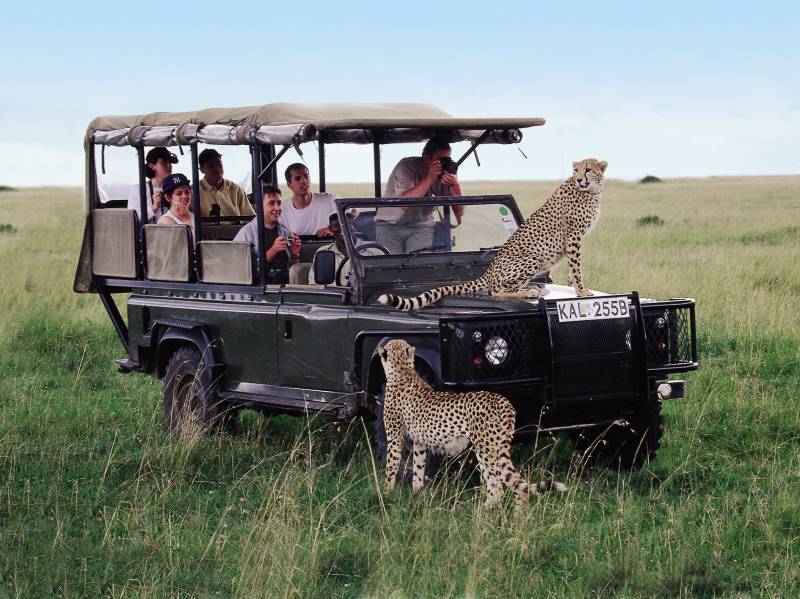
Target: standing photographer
405, 229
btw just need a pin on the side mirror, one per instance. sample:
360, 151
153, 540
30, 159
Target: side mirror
324, 267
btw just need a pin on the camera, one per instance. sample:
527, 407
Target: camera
449, 165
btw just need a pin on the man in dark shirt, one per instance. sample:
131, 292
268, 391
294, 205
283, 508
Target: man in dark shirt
283, 246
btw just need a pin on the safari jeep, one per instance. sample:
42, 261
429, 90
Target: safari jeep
202, 317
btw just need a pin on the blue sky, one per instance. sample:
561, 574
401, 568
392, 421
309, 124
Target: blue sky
679, 89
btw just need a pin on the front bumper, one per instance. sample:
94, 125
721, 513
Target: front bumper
575, 361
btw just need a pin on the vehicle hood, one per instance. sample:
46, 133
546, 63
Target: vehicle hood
483, 302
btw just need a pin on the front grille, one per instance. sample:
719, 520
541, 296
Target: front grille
668, 336
584, 358
595, 357
494, 349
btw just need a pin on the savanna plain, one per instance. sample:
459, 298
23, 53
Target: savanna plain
97, 500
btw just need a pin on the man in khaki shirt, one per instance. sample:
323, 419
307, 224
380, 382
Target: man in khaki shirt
218, 196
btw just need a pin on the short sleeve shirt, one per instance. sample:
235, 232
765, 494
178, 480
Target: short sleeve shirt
406, 174
231, 198
312, 218
135, 204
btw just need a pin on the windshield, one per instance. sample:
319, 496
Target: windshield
403, 228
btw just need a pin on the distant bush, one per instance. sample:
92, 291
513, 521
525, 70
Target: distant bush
650, 179
7, 228
6, 188
650, 219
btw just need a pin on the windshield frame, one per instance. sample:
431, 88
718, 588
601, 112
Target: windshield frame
400, 261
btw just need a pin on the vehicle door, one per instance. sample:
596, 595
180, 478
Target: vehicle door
312, 341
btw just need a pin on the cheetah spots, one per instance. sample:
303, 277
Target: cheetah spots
448, 423
537, 245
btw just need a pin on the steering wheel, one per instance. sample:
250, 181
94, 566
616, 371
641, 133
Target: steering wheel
346, 259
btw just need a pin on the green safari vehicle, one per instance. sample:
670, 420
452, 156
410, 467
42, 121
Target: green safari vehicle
222, 339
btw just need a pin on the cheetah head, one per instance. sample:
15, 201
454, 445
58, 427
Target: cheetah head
588, 174
396, 355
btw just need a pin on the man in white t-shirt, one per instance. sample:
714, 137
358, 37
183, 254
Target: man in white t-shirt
306, 213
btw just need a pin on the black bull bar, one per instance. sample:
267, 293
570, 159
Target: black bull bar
577, 357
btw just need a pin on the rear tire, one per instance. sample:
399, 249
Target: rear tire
191, 403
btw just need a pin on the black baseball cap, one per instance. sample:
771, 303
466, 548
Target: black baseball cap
207, 155
160, 152
170, 182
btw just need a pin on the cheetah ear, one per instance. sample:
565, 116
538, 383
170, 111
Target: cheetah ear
410, 351
603, 165
575, 164
382, 352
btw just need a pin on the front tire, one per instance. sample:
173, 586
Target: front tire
626, 446
191, 403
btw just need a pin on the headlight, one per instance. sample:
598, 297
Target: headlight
496, 350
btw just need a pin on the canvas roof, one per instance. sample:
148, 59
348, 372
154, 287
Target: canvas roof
322, 116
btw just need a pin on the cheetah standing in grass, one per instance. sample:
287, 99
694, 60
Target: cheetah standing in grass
555, 230
448, 423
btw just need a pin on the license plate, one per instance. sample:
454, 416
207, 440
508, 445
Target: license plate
596, 308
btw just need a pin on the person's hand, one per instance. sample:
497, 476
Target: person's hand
449, 179
156, 204
294, 248
458, 212
324, 232
279, 245
434, 170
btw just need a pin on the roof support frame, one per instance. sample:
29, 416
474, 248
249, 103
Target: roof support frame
474, 147
321, 146
142, 257
376, 160
256, 153
195, 196
274, 161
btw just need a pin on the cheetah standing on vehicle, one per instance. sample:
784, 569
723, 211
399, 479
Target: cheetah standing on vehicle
555, 230
448, 423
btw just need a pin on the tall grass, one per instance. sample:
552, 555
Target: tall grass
97, 500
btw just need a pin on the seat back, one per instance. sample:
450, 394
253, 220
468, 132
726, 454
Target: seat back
169, 252
223, 232
365, 225
115, 243
226, 262
310, 246
298, 273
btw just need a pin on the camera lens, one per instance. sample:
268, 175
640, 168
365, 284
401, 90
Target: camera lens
449, 165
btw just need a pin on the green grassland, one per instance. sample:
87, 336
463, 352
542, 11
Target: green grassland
97, 500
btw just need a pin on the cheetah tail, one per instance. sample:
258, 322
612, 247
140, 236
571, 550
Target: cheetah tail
415, 303
549, 485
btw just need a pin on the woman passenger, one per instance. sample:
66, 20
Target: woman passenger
158, 164
177, 199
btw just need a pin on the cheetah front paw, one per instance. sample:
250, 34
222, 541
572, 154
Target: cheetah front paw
583, 292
